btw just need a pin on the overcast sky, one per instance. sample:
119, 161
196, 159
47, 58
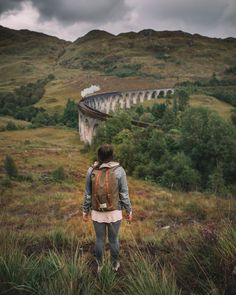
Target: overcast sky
70, 19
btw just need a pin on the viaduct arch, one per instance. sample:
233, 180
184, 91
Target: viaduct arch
94, 109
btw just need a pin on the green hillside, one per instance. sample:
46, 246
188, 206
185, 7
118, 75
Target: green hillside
171, 56
158, 57
147, 59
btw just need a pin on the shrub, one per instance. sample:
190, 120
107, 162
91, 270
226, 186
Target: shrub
126, 70
70, 116
59, 174
10, 167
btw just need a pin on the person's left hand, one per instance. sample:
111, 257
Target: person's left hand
129, 217
85, 217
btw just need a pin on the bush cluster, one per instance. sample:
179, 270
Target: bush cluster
19, 104
193, 148
224, 90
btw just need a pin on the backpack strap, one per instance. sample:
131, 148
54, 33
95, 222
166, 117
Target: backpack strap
107, 187
107, 184
96, 187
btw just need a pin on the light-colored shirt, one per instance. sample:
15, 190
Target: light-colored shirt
107, 217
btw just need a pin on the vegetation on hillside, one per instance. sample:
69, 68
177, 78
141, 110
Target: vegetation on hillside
19, 104
224, 90
193, 148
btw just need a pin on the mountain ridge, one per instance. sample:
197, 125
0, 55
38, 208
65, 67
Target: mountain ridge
143, 59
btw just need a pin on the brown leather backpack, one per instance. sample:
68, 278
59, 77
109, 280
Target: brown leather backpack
105, 190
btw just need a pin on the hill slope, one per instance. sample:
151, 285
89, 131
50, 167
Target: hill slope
160, 55
146, 59
27, 56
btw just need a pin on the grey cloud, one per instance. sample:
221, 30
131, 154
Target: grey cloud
6, 5
71, 11
201, 12
211, 17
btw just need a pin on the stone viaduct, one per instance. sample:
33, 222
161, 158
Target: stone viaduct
94, 109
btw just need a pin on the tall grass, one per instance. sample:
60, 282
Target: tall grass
146, 276
202, 261
108, 282
48, 273
208, 261
66, 275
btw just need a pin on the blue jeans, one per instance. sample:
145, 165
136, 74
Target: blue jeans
113, 230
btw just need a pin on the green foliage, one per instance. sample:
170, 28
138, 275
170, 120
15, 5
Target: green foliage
191, 150
183, 100
207, 139
51, 77
10, 167
59, 174
19, 104
224, 94
41, 119
216, 182
233, 116
158, 110
223, 90
125, 70
111, 65
70, 116
113, 126
177, 173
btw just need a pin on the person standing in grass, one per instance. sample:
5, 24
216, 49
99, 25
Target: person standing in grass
106, 193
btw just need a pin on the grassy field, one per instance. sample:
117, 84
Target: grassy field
173, 236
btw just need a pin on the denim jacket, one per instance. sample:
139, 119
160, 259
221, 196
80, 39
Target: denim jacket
122, 183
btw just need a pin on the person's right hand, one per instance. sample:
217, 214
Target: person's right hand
129, 217
85, 217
